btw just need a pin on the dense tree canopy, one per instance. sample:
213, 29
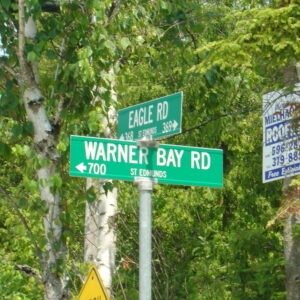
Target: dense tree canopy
207, 243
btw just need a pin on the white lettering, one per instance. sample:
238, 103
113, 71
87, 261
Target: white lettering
195, 157
178, 156
161, 157
204, 157
150, 114
152, 173
143, 154
122, 153
171, 158
90, 149
132, 153
165, 110
162, 110
100, 152
133, 172
205, 162
116, 152
141, 116
159, 111
130, 125
111, 152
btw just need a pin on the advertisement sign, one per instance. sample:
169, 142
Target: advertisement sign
281, 135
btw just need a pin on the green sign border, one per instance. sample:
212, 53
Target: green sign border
183, 175
175, 102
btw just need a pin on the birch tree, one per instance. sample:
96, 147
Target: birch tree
66, 80
20, 32
207, 243
45, 143
100, 215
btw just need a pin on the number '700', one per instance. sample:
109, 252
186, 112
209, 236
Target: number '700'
95, 168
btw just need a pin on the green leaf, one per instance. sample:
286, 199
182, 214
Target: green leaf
125, 43
56, 181
17, 130
140, 40
32, 56
5, 150
51, 54
28, 127
91, 195
108, 186
163, 5
23, 203
110, 45
6, 3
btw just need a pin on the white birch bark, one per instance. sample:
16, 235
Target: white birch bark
45, 146
100, 218
100, 234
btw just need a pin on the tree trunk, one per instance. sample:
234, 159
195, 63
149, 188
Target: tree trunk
55, 283
100, 231
100, 216
292, 243
291, 194
292, 255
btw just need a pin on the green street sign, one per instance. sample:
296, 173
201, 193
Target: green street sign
156, 118
125, 160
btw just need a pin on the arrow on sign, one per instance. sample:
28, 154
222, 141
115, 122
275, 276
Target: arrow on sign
81, 167
175, 124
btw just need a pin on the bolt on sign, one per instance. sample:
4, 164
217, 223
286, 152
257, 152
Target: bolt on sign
93, 288
155, 118
125, 160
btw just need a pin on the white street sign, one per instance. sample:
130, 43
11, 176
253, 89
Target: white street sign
281, 138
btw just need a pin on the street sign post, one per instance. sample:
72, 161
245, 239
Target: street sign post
281, 140
156, 118
125, 160
93, 287
146, 163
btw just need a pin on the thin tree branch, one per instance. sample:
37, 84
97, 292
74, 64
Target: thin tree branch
114, 9
9, 69
21, 36
122, 289
58, 64
30, 272
209, 121
59, 109
194, 40
23, 220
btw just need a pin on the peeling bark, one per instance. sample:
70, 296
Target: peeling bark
100, 232
45, 146
100, 217
55, 283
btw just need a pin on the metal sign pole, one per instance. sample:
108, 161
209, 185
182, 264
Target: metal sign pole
145, 186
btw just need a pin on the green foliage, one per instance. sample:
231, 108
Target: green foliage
207, 243
259, 42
